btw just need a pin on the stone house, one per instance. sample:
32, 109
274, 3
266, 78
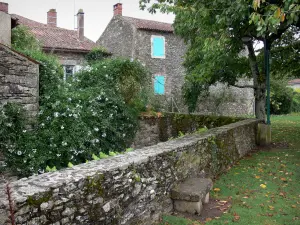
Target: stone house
155, 45
70, 46
19, 74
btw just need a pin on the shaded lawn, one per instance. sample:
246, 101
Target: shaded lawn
264, 187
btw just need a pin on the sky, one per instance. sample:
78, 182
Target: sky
97, 12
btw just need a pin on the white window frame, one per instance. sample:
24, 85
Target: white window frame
158, 57
65, 74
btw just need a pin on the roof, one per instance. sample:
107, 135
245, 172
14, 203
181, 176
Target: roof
149, 24
295, 81
56, 38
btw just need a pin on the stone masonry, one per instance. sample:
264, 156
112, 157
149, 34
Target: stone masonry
19, 80
132, 188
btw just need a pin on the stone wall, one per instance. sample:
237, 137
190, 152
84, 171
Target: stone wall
131, 188
19, 80
70, 58
153, 130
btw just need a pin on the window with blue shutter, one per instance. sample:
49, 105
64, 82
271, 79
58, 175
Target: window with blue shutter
158, 46
159, 85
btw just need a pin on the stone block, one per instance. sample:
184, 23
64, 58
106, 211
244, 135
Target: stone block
189, 207
263, 134
193, 189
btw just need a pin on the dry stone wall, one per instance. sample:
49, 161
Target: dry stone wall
132, 188
19, 80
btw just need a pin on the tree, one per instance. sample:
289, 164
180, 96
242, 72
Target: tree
216, 33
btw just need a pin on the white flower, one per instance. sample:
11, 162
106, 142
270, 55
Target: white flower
9, 124
106, 99
104, 135
19, 153
62, 127
94, 113
75, 116
97, 140
89, 133
110, 115
124, 135
24, 131
106, 75
104, 67
58, 155
69, 99
56, 114
42, 124
34, 150
96, 129
64, 143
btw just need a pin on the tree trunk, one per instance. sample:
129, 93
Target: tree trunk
259, 83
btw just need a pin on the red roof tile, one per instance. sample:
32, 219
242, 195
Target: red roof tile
56, 38
149, 24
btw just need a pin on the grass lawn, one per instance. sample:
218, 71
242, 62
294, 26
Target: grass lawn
265, 187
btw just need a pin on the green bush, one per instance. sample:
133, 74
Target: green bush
281, 97
296, 101
96, 55
94, 115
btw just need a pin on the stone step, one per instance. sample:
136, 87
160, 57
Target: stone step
190, 195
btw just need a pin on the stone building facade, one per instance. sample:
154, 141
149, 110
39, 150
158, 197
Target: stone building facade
5, 25
131, 37
19, 80
135, 38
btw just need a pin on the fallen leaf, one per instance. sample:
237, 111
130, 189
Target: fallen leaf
217, 189
293, 206
263, 186
283, 179
208, 219
236, 217
271, 207
257, 177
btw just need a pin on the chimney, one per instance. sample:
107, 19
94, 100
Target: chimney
118, 9
80, 24
52, 18
4, 7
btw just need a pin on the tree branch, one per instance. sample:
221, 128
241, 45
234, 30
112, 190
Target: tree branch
242, 86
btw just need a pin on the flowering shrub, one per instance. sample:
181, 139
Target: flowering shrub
88, 118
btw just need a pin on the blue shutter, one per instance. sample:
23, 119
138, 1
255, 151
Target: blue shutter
158, 47
159, 85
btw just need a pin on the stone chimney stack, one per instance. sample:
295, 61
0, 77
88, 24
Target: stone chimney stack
52, 18
4, 7
118, 9
80, 24
5, 25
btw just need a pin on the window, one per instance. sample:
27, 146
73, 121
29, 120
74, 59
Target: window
159, 85
158, 47
68, 71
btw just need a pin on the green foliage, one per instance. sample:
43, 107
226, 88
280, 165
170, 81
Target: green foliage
296, 101
23, 40
214, 32
96, 114
130, 78
96, 55
281, 97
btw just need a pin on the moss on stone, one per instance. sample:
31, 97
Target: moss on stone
37, 201
94, 185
